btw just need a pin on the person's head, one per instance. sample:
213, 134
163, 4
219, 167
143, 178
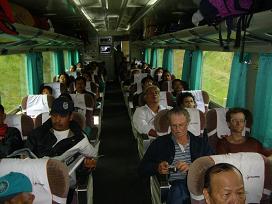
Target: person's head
61, 113
236, 120
152, 95
179, 85
72, 68
186, 100
166, 76
158, 74
64, 79
223, 184
87, 75
80, 84
16, 188
46, 90
179, 120
147, 81
2, 115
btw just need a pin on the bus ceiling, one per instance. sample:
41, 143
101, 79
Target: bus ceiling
167, 22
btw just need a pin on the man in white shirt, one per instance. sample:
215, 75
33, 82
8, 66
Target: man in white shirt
143, 117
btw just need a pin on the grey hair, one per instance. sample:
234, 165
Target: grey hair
179, 111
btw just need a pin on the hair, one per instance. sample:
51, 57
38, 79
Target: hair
148, 77
2, 108
234, 111
218, 168
68, 79
80, 78
49, 88
183, 83
149, 87
182, 96
178, 111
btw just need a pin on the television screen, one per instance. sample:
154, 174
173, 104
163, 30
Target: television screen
105, 49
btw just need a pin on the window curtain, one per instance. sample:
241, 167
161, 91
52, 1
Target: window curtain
187, 60
262, 124
69, 59
168, 58
192, 68
237, 83
34, 71
58, 62
147, 56
153, 58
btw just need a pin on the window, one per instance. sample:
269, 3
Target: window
13, 81
216, 74
159, 57
47, 67
178, 62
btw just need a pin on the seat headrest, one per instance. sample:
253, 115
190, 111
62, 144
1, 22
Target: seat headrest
161, 122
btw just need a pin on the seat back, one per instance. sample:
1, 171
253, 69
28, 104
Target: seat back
33, 105
78, 117
217, 126
57, 88
196, 125
166, 86
49, 177
85, 104
254, 167
22, 122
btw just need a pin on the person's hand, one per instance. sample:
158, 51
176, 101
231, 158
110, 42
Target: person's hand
163, 168
152, 133
182, 166
90, 163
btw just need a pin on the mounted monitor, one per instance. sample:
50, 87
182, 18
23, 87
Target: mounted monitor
105, 49
105, 40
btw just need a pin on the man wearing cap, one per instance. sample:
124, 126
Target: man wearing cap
15, 188
61, 137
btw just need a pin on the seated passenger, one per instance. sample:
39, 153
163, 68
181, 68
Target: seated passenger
72, 71
166, 76
60, 136
46, 90
10, 137
145, 82
158, 75
65, 80
143, 117
16, 188
236, 142
172, 155
223, 183
186, 100
178, 86
80, 84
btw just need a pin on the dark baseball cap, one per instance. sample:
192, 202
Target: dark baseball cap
62, 106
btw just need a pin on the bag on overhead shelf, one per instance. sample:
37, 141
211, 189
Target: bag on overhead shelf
7, 18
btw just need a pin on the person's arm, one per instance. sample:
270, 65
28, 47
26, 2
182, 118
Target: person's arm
140, 123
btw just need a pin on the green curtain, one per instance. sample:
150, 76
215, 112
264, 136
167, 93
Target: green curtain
34, 72
192, 68
69, 59
238, 81
58, 62
147, 56
187, 60
76, 56
153, 58
168, 59
262, 124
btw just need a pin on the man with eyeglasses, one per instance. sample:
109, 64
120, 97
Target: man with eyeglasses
236, 141
172, 154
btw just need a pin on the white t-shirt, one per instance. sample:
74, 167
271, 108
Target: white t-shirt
60, 135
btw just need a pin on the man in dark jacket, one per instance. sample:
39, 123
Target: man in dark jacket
62, 138
172, 155
10, 137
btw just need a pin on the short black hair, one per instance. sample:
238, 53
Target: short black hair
148, 77
182, 96
49, 88
218, 168
234, 111
80, 78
